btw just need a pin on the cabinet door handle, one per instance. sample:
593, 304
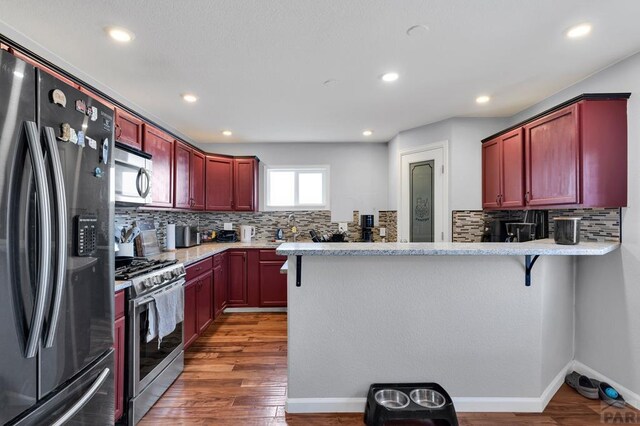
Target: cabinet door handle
526, 197
118, 131
498, 199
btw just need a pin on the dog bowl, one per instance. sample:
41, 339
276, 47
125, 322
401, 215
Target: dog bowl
392, 399
427, 398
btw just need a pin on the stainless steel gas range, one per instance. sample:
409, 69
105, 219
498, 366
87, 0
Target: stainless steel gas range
152, 366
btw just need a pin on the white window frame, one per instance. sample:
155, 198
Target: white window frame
326, 174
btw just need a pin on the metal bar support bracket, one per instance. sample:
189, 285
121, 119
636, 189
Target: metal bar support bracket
528, 264
298, 270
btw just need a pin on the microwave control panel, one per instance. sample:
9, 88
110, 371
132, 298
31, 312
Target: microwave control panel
86, 234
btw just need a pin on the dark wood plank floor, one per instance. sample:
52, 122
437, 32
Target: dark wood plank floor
236, 374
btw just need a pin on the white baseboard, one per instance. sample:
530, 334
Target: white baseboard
462, 404
258, 310
632, 398
509, 404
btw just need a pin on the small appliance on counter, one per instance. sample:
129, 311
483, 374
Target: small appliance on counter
495, 231
246, 233
227, 236
520, 232
366, 222
187, 236
541, 219
208, 236
567, 231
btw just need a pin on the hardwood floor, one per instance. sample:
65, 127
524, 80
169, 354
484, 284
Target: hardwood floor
236, 374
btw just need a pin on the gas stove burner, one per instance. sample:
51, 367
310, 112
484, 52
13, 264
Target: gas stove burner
140, 267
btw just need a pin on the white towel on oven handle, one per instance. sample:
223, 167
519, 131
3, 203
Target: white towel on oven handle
152, 322
169, 311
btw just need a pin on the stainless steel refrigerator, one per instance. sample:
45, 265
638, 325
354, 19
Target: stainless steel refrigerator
56, 244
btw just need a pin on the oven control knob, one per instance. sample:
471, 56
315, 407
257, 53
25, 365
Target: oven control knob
147, 283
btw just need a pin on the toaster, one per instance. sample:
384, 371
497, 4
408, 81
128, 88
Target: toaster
187, 236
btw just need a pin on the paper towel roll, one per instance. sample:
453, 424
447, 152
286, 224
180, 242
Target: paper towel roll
171, 237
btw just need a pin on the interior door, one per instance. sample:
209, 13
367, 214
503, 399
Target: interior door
84, 330
421, 199
438, 205
18, 250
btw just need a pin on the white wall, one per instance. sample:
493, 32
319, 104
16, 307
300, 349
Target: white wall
465, 166
358, 170
608, 287
466, 322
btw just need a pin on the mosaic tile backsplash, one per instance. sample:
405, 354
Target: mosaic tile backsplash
266, 223
596, 224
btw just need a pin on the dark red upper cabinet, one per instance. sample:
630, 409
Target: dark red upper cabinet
512, 148
553, 155
503, 171
128, 129
491, 174
219, 183
575, 155
182, 180
160, 146
245, 184
197, 180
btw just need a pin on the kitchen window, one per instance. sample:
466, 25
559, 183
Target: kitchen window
297, 188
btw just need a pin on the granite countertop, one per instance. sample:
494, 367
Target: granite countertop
538, 247
190, 255
193, 254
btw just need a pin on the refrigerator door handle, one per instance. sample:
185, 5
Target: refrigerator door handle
84, 399
42, 195
61, 243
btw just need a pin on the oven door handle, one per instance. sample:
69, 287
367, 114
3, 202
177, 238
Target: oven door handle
149, 298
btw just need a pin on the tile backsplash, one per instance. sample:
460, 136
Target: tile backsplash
596, 224
266, 223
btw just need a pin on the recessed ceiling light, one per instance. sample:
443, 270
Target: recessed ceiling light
579, 30
188, 97
389, 77
330, 82
227, 132
417, 30
483, 99
367, 132
120, 34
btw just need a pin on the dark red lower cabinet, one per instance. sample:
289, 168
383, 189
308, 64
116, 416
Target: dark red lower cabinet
190, 326
273, 284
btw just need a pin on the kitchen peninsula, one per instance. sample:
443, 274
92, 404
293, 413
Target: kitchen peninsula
453, 313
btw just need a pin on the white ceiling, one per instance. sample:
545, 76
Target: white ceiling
258, 66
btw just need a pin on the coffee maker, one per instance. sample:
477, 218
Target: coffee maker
366, 223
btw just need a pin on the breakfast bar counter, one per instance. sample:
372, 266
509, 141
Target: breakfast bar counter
454, 313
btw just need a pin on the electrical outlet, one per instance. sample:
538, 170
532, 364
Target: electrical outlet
342, 227
383, 232
228, 226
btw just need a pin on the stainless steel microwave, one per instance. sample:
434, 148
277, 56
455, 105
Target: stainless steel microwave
133, 171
